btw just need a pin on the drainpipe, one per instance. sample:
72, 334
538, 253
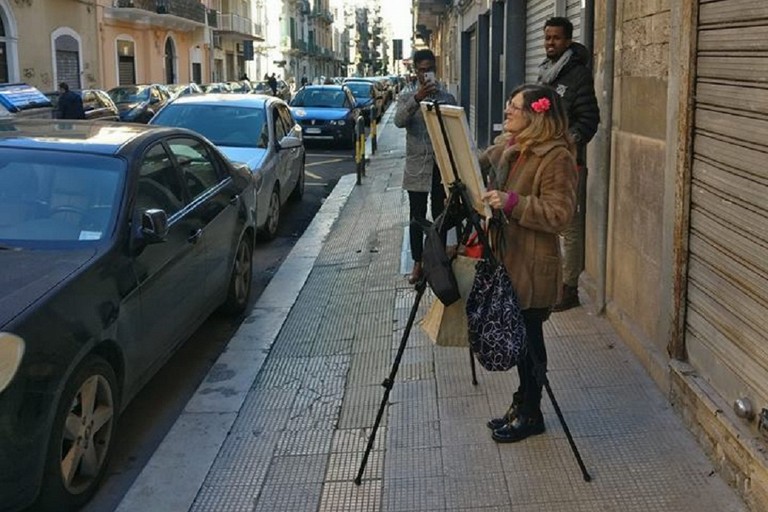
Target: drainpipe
99, 37
602, 178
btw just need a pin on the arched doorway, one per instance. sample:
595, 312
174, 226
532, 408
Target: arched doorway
170, 61
4, 73
126, 62
67, 55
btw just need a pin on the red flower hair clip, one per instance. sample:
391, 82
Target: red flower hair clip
541, 105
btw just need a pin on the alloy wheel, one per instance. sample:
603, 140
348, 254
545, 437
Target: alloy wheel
86, 434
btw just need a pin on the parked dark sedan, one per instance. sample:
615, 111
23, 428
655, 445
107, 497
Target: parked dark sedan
326, 112
138, 103
96, 103
116, 242
283, 89
365, 98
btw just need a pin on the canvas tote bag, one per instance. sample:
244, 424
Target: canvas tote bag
445, 325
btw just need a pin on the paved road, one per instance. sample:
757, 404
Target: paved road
152, 413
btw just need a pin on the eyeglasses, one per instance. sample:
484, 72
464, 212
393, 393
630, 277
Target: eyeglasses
513, 108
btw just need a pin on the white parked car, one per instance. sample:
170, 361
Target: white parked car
256, 130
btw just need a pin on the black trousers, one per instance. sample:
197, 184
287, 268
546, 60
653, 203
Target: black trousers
533, 367
418, 206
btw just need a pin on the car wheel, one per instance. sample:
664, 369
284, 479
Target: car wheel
298, 190
240, 281
81, 437
269, 231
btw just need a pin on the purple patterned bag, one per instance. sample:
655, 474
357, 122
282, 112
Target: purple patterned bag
496, 328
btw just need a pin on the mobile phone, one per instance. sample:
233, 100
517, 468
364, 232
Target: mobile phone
429, 77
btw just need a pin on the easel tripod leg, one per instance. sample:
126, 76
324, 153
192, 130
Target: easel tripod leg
390, 380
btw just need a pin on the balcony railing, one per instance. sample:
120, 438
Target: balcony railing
229, 22
192, 10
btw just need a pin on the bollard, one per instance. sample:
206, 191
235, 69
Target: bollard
360, 148
374, 116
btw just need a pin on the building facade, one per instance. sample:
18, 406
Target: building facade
46, 46
105, 43
677, 200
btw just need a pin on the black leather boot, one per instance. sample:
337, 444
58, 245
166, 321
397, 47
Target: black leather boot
496, 423
521, 427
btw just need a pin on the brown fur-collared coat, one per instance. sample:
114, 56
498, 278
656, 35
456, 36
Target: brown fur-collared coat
545, 181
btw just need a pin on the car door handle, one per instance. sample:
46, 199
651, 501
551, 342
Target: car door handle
234, 199
195, 236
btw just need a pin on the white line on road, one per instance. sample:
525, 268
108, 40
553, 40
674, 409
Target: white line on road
312, 175
323, 162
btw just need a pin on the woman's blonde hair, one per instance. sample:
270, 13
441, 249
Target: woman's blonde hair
543, 109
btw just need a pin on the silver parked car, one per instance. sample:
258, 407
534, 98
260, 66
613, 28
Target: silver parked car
256, 130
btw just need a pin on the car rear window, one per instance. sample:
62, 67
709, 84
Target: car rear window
230, 126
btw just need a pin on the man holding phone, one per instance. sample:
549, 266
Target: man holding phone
421, 177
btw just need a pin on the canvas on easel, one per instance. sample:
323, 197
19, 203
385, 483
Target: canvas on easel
461, 146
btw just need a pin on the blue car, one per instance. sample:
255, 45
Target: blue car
326, 113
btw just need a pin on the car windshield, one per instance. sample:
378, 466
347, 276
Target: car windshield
214, 88
129, 94
262, 86
360, 89
48, 196
329, 98
221, 124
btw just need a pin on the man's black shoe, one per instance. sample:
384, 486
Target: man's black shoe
519, 428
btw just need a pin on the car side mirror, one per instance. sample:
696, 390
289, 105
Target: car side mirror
242, 176
289, 142
154, 226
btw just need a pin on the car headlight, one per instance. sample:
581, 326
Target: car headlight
11, 353
338, 122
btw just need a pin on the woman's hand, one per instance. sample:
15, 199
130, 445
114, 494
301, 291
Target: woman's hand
496, 199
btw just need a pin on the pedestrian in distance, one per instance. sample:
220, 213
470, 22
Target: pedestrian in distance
304, 80
566, 69
532, 180
421, 177
273, 84
70, 104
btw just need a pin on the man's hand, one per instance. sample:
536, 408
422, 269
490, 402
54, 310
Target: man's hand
426, 90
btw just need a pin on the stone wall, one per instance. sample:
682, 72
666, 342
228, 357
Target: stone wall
635, 213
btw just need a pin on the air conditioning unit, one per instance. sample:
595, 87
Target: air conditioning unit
217, 42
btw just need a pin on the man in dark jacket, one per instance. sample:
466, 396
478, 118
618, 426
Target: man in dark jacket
273, 84
567, 71
70, 103
421, 177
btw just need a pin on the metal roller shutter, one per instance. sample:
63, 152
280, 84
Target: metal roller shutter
126, 70
727, 301
573, 13
68, 68
537, 12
